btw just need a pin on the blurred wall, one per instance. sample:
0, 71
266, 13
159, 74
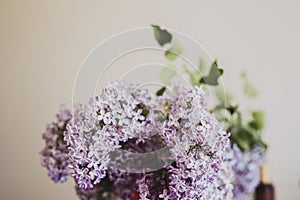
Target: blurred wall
42, 44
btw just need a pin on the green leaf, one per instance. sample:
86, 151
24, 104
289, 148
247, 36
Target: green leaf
249, 90
213, 76
258, 119
161, 91
167, 73
244, 139
162, 36
172, 53
257, 139
232, 109
242, 143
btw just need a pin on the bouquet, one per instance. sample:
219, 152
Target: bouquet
130, 142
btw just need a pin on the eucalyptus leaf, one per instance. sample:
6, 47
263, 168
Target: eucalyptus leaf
213, 76
162, 36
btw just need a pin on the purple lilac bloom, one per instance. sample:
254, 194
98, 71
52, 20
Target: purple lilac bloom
246, 169
128, 118
122, 112
125, 117
198, 144
54, 157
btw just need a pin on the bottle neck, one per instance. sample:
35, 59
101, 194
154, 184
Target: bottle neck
265, 177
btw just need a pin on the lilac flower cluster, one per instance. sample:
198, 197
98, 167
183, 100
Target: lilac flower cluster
54, 157
121, 113
179, 120
246, 168
198, 144
100, 141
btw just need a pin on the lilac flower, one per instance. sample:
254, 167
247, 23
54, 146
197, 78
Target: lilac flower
198, 145
122, 112
125, 117
54, 157
246, 167
100, 142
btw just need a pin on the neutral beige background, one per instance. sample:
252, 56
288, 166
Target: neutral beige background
42, 44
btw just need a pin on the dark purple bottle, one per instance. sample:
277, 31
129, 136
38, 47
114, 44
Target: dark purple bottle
265, 190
